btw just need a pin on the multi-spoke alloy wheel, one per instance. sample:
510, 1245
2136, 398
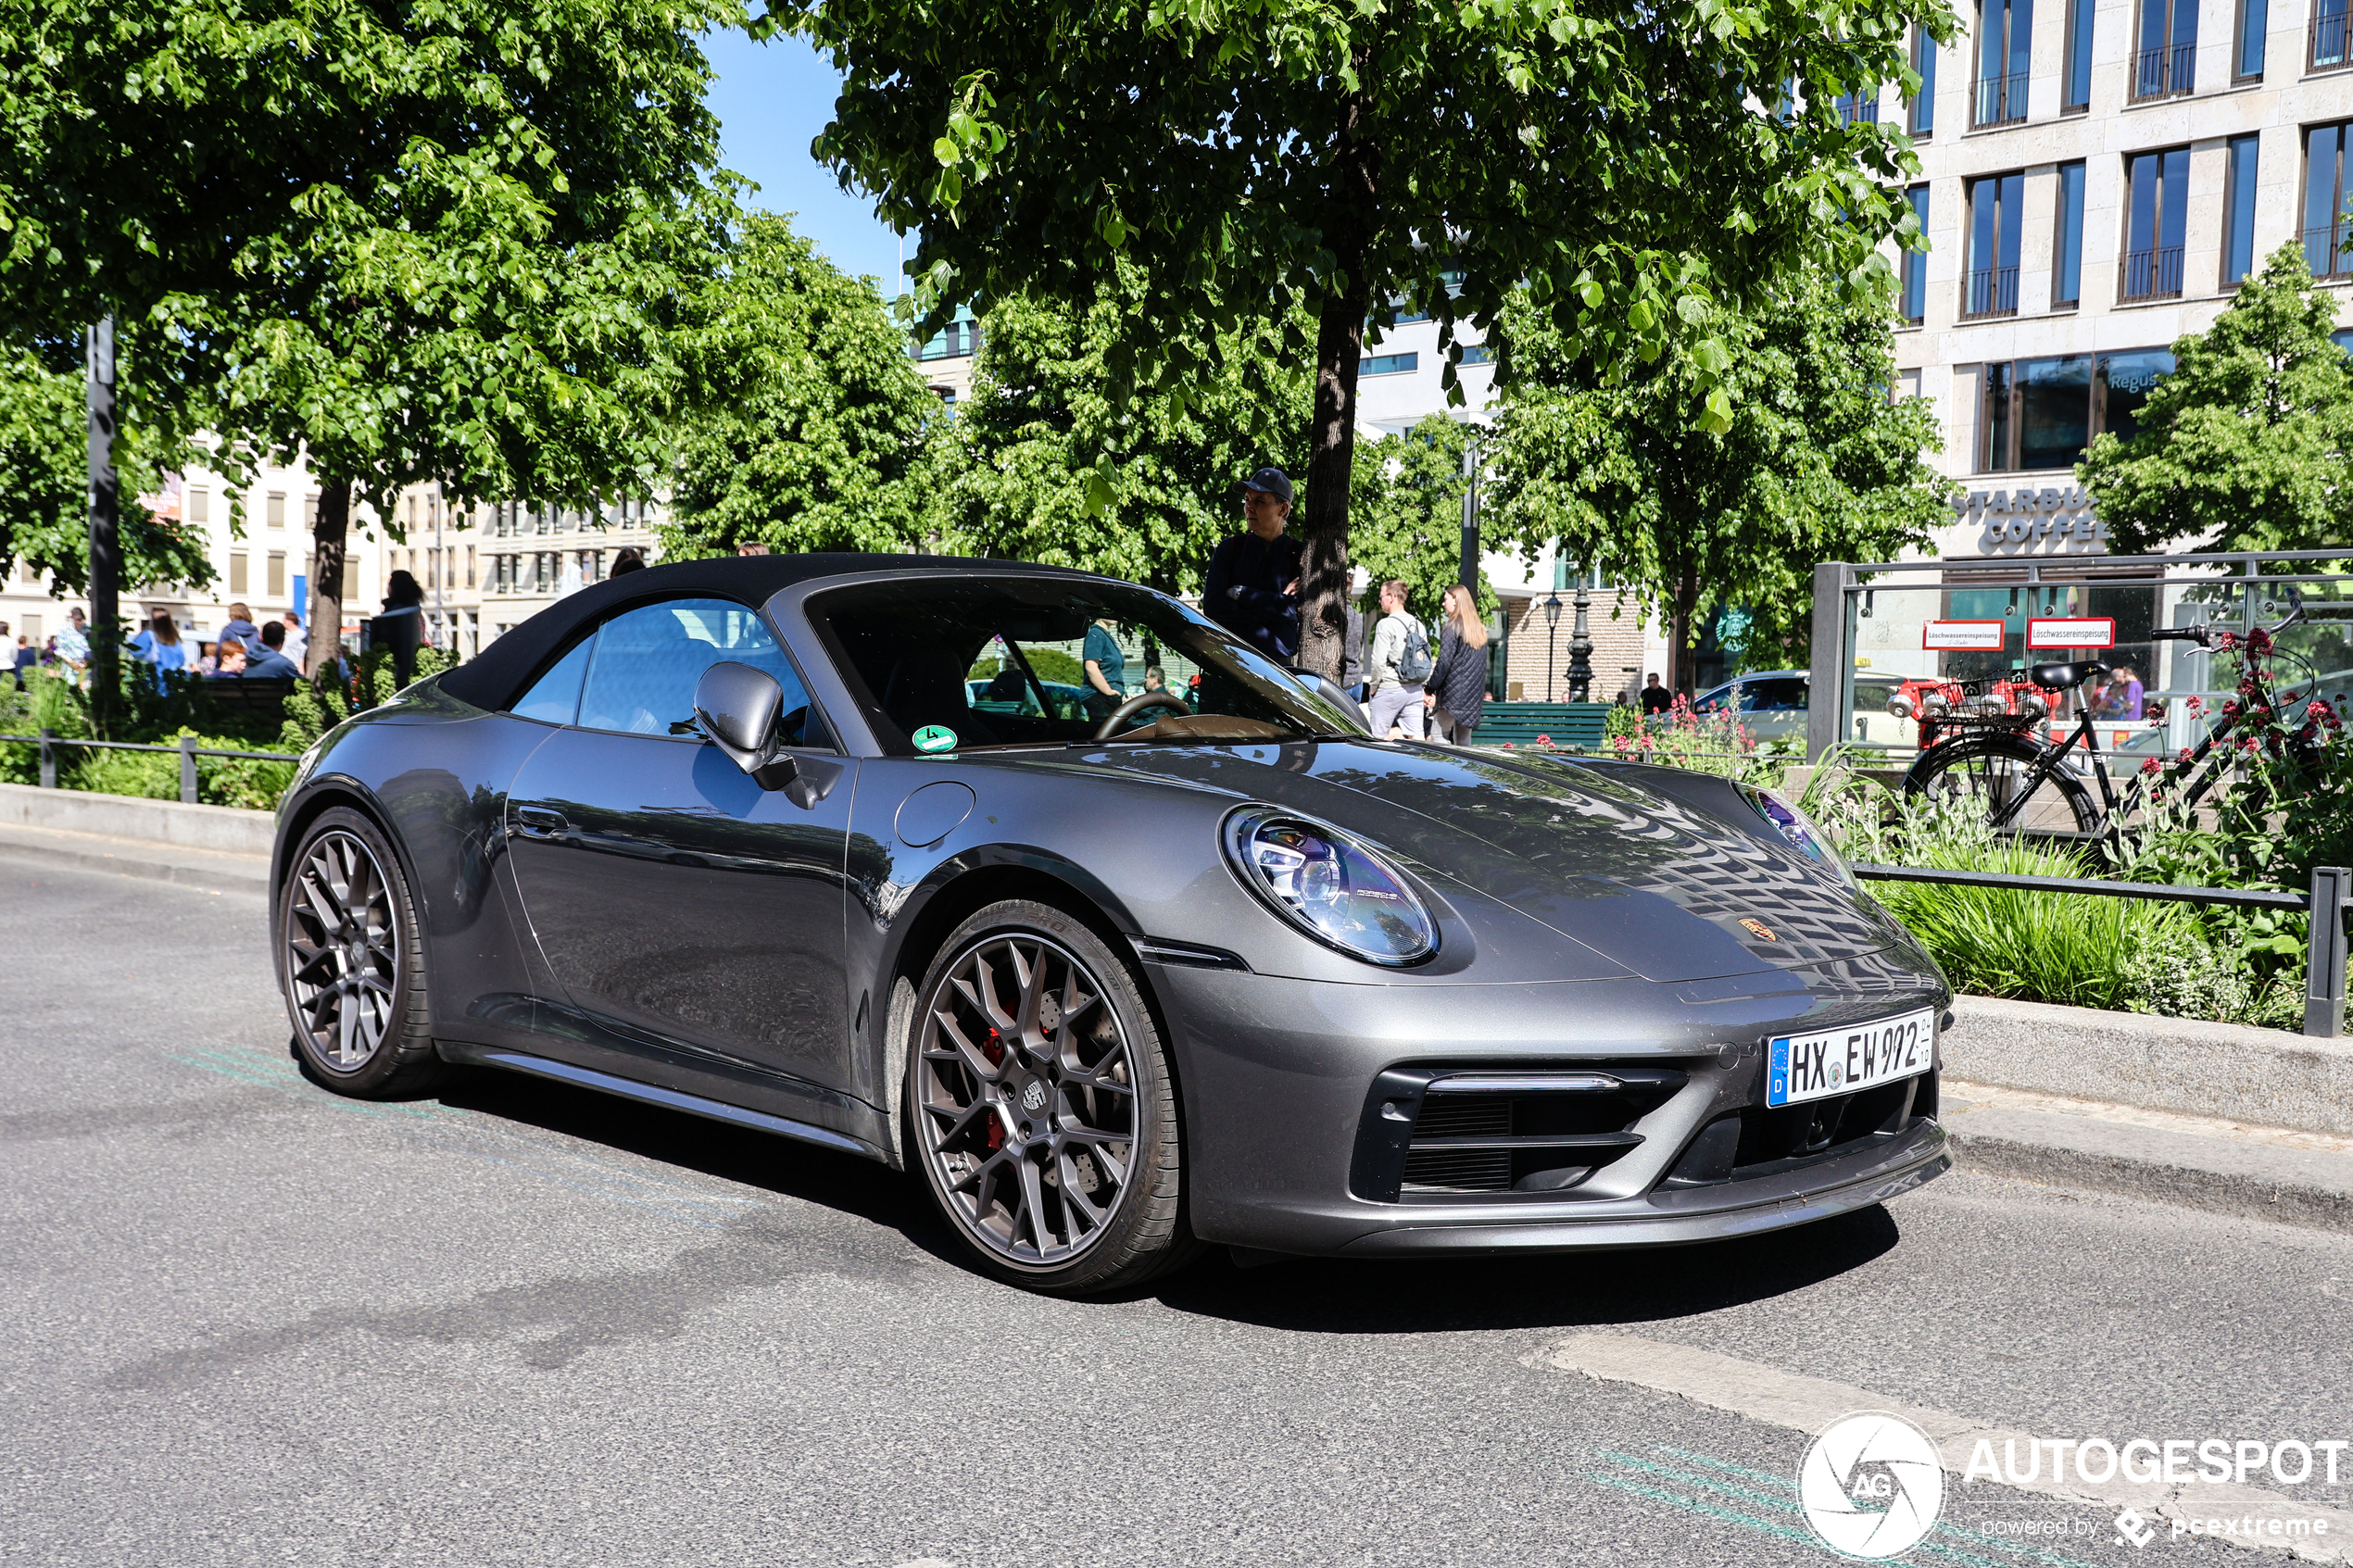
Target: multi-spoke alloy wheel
352, 974
1043, 1120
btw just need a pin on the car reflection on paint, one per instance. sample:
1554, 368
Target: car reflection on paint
749, 838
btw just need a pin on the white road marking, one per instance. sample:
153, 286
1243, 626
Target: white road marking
1809, 1404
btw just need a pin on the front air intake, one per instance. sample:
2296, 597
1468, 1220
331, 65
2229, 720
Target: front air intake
1433, 1134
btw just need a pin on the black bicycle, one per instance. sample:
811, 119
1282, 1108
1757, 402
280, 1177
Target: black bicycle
1993, 765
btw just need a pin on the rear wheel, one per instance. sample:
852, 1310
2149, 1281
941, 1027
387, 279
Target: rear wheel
1041, 1109
1993, 777
352, 965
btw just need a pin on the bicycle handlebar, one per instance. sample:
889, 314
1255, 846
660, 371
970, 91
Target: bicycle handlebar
2203, 632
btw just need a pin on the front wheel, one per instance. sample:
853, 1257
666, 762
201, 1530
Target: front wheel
1993, 777
353, 964
1040, 1105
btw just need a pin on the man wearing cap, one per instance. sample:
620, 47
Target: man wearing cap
1254, 577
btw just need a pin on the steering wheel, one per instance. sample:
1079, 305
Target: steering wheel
1135, 705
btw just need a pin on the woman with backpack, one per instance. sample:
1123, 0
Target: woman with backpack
1458, 688
1398, 664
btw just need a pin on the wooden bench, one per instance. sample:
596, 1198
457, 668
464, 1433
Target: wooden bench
237, 702
1569, 723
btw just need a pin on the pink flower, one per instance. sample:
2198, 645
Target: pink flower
2186, 756
2258, 641
2316, 708
1543, 740
2196, 705
1507, 746
2150, 766
2230, 709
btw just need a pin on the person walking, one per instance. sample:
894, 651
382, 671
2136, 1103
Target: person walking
401, 627
1457, 693
1655, 697
1397, 665
158, 644
1106, 668
72, 645
296, 643
1252, 590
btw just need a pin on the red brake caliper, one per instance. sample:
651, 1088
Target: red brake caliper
994, 1049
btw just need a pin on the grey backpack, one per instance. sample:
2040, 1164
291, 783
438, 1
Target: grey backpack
1415, 664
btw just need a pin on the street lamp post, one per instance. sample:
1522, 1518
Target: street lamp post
1581, 648
1552, 635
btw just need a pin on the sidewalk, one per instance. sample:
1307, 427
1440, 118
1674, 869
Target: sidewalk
207, 870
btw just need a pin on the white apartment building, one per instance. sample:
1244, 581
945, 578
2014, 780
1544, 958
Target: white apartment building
484, 566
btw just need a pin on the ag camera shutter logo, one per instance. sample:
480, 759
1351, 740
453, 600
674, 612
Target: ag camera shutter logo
1872, 1486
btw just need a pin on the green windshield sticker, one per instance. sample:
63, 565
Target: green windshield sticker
935, 738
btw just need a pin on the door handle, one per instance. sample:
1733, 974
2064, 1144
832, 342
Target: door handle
541, 821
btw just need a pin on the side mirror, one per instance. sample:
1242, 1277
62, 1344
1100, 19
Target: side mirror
736, 706
1331, 691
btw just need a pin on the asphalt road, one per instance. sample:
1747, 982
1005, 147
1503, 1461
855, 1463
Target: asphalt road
251, 1323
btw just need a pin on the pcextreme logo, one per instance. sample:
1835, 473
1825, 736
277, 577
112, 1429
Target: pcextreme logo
1872, 1486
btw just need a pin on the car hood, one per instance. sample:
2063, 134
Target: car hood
1667, 889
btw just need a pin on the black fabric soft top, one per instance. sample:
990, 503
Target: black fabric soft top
495, 677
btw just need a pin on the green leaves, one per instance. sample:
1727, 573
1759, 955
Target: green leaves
2248, 444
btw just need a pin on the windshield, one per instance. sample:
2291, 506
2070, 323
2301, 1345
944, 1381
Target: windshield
973, 664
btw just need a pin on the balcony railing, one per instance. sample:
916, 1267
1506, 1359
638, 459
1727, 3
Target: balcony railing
2324, 250
2150, 274
2166, 71
1992, 292
2326, 48
2001, 100
1858, 111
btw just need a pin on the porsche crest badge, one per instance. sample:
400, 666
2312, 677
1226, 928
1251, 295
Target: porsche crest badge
1757, 927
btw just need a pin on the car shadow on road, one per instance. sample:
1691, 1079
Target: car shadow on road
1558, 1290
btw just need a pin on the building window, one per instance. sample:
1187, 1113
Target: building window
1915, 262
2039, 414
310, 513
957, 340
2165, 58
2238, 211
470, 566
350, 594
2325, 231
277, 575
200, 506
2159, 185
2067, 259
274, 510
2075, 81
1388, 364
1478, 354
1853, 108
2247, 53
2005, 35
2326, 42
1990, 286
1923, 116
237, 572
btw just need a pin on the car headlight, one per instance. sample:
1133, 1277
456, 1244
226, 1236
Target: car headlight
1330, 886
1799, 830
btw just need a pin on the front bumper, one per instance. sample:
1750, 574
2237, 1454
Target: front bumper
1275, 1075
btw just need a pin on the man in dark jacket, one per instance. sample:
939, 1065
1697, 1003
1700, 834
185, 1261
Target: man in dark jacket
1254, 577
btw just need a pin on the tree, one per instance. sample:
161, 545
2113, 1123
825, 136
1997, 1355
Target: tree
1818, 464
2248, 444
44, 515
1254, 158
409, 241
1407, 519
1050, 465
815, 430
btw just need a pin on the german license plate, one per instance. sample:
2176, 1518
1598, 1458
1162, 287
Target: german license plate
1839, 1061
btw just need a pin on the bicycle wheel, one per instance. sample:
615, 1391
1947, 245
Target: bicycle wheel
1992, 776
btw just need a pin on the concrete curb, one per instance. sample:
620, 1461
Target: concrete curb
224, 830
2265, 1077
2216, 1175
125, 856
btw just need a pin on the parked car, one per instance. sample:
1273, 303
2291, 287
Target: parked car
1771, 704
732, 837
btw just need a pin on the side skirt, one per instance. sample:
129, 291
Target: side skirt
672, 1099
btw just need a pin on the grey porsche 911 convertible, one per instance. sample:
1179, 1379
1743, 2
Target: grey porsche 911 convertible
842, 847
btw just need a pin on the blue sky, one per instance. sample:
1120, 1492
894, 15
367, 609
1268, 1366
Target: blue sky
772, 99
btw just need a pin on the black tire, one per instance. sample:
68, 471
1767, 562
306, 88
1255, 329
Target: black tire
1018, 1124
1987, 769
351, 963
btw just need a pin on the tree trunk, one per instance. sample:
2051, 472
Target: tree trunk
1679, 631
105, 535
326, 573
1352, 203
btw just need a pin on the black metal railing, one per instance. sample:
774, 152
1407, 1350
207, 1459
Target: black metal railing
2166, 71
2324, 250
2150, 274
2001, 100
49, 741
1993, 291
2325, 41
2324, 948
